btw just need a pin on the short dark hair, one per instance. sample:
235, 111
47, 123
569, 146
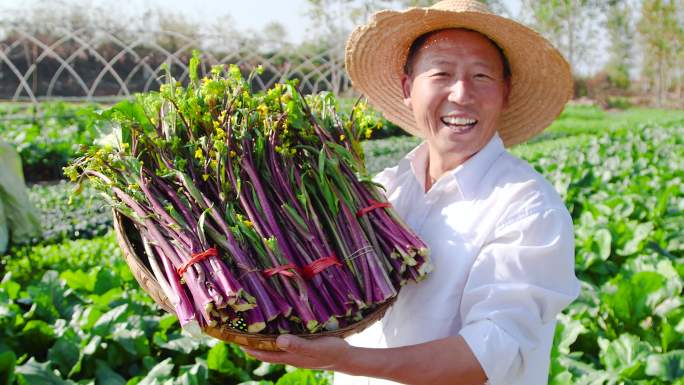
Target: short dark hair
415, 46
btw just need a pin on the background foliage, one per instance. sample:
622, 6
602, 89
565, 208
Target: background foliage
71, 312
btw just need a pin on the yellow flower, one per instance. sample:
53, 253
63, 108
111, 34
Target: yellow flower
198, 154
369, 132
263, 110
220, 134
205, 177
342, 138
232, 154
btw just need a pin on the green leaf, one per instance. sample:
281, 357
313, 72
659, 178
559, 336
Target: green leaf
106, 322
672, 330
50, 298
64, 354
625, 355
294, 215
106, 376
635, 298
196, 374
78, 280
106, 280
268, 369
603, 239
10, 287
568, 329
37, 334
303, 377
125, 112
193, 67
133, 340
218, 359
177, 342
160, 372
36, 373
200, 225
563, 378
666, 366
7, 363
639, 233
256, 383
167, 322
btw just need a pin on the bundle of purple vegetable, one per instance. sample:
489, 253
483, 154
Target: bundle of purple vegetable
254, 209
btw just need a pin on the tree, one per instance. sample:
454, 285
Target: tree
620, 28
662, 41
333, 20
497, 6
274, 36
568, 24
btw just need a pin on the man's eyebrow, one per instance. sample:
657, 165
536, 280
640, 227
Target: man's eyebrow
482, 63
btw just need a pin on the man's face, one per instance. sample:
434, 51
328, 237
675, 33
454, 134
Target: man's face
456, 91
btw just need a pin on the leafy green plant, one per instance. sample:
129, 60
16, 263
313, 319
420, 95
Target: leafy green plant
48, 135
66, 213
623, 186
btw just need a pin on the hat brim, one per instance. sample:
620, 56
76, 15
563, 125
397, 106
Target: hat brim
541, 81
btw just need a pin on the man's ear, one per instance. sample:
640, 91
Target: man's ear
507, 92
406, 82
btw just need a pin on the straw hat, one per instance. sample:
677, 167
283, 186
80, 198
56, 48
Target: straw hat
541, 81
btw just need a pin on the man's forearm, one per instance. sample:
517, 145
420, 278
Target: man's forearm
445, 361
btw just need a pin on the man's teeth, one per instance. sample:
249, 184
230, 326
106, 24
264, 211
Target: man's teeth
458, 121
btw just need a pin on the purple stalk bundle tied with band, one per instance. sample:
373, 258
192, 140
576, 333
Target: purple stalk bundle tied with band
254, 211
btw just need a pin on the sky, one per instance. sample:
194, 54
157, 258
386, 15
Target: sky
247, 14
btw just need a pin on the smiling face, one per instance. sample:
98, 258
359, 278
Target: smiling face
457, 91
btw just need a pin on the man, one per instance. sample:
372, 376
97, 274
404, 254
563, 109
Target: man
469, 83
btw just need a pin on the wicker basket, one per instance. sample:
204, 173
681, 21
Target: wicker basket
132, 248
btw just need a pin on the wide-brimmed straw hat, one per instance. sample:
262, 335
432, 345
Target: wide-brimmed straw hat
541, 81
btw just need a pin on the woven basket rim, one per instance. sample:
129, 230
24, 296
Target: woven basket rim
150, 285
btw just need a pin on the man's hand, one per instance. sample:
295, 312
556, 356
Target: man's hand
328, 353
450, 360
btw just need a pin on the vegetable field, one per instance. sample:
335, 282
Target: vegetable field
72, 313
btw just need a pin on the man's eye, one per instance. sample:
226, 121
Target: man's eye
482, 76
439, 74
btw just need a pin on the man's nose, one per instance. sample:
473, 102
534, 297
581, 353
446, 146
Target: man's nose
461, 92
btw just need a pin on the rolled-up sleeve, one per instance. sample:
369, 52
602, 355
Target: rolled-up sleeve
521, 279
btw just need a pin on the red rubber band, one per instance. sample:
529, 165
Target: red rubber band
282, 270
374, 205
198, 257
315, 267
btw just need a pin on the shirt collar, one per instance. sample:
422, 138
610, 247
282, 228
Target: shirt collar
467, 175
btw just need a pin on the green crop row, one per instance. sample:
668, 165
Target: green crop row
47, 136
71, 313
69, 214
625, 191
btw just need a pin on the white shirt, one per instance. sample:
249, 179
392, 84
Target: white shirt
502, 248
